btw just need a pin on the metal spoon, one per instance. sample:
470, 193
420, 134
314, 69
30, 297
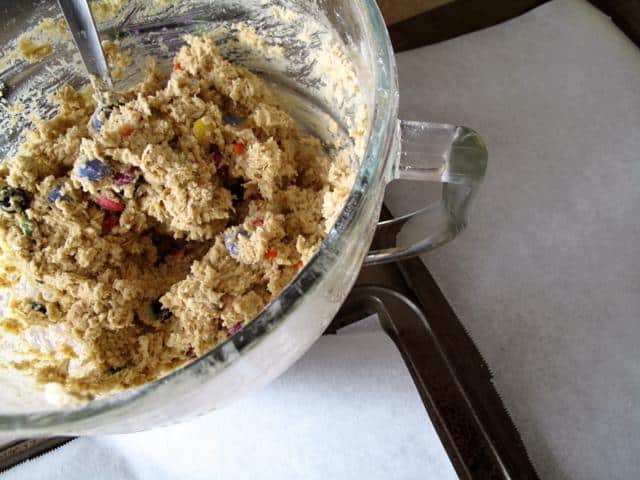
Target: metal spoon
85, 35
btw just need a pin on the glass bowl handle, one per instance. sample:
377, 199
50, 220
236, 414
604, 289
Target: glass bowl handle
434, 152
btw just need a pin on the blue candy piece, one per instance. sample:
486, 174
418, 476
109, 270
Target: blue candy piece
56, 194
96, 123
231, 119
231, 240
95, 170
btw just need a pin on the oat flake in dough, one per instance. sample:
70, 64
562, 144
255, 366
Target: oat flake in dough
156, 229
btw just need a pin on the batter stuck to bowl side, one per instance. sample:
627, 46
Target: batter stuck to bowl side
153, 230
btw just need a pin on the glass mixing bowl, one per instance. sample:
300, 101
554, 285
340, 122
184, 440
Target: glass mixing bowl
365, 113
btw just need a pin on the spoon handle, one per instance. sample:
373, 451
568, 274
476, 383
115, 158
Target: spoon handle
80, 21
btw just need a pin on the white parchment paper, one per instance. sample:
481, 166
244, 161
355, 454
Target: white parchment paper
547, 276
347, 410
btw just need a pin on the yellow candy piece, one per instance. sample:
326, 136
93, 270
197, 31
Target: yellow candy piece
202, 128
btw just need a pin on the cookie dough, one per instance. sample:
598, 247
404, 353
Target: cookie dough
153, 230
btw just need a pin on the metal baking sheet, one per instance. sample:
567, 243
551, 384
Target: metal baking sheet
452, 379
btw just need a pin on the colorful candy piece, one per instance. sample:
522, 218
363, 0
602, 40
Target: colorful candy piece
127, 132
13, 200
235, 328
231, 239
27, 228
95, 170
108, 204
201, 129
109, 222
101, 112
124, 178
39, 307
230, 243
271, 254
239, 148
231, 119
56, 194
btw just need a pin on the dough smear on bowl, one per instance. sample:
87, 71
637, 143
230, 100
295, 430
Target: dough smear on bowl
151, 231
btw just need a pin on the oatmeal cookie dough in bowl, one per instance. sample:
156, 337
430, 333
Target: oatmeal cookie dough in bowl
155, 229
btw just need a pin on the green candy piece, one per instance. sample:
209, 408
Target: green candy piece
27, 228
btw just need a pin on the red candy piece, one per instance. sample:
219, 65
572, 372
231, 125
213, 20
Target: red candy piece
239, 148
127, 132
271, 254
108, 223
108, 204
259, 222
